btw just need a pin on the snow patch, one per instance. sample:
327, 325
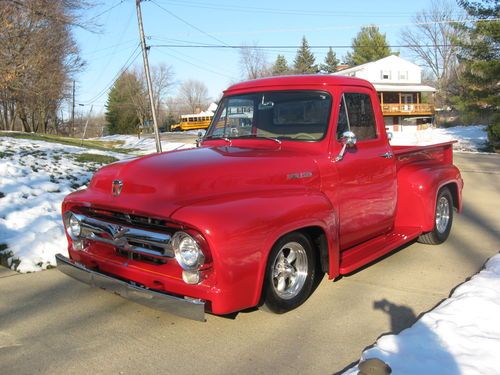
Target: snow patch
470, 138
460, 336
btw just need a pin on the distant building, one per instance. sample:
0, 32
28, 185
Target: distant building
405, 101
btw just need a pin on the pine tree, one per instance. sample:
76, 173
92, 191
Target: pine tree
304, 60
280, 66
479, 58
368, 45
331, 62
121, 114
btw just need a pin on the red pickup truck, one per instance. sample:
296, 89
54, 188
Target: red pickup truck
294, 178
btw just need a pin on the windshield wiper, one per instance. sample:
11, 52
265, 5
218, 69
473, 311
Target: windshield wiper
228, 140
248, 136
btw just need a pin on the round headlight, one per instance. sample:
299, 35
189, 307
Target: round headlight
74, 227
187, 251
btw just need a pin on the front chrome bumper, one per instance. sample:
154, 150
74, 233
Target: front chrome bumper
187, 308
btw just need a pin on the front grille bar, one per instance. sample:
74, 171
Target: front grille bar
127, 238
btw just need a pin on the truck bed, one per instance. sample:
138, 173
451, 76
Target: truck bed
442, 152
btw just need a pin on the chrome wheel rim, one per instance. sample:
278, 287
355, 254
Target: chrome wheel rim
289, 272
442, 214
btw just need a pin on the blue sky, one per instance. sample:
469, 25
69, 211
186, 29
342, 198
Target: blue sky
223, 22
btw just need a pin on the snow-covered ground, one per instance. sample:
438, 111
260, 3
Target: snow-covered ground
35, 176
470, 138
460, 336
145, 146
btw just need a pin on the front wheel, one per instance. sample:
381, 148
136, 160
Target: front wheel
290, 273
443, 218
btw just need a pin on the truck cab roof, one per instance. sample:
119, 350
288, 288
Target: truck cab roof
299, 80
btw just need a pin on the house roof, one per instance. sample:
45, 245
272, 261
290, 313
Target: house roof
385, 60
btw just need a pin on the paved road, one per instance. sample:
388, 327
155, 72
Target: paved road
50, 324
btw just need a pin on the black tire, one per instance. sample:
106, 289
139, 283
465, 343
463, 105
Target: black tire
439, 234
300, 287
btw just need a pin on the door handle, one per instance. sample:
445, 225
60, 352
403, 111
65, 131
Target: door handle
387, 155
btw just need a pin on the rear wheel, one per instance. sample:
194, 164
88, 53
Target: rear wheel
290, 273
443, 219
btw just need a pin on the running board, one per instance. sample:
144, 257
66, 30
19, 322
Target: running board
357, 256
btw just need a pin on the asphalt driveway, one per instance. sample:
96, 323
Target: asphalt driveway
51, 324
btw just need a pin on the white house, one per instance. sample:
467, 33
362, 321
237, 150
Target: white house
404, 99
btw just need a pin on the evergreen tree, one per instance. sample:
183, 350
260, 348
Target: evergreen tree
304, 60
369, 45
280, 66
331, 62
121, 114
479, 58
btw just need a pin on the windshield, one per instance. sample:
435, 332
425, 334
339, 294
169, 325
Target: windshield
295, 115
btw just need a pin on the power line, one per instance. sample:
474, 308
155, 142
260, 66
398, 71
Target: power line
290, 47
106, 49
124, 68
348, 27
193, 64
187, 23
106, 11
301, 12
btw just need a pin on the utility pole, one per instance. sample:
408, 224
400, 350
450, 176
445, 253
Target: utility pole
148, 76
87, 123
73, 109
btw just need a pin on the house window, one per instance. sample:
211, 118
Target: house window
385, 74
403, 75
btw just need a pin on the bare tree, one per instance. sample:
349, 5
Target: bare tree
162, 76
193, 95
135, 90
37, 59
431, 40
253, 62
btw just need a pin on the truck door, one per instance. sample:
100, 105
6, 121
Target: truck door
367, 187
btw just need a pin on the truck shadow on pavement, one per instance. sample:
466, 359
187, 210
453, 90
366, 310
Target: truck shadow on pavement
418, 351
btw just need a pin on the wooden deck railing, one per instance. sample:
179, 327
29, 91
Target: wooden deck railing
407, 108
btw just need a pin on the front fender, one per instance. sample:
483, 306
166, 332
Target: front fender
241, 229
418, 186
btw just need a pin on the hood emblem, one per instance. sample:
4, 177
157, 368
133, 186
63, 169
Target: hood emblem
117, 187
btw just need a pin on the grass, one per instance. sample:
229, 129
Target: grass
5, 154
94, 158
97, 145
6, 255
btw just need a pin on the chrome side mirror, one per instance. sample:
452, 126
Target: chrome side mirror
199, 138
348, 139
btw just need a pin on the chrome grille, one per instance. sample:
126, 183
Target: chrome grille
126, 219
125, 237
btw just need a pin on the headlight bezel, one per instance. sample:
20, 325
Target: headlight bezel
179, 240
72, 225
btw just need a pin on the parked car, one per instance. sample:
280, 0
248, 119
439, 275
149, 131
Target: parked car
294, 178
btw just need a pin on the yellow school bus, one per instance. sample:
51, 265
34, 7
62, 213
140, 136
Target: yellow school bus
189, 122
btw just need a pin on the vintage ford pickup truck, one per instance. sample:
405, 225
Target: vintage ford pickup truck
294, 178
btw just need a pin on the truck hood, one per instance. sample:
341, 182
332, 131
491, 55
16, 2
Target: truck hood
161, 183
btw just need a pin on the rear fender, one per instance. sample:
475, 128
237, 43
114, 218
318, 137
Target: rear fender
418, 186
241, 230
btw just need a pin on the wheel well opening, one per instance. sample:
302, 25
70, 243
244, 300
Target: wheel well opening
454, 194
318, 238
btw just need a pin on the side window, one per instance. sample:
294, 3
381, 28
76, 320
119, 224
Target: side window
361, 118
342, 124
